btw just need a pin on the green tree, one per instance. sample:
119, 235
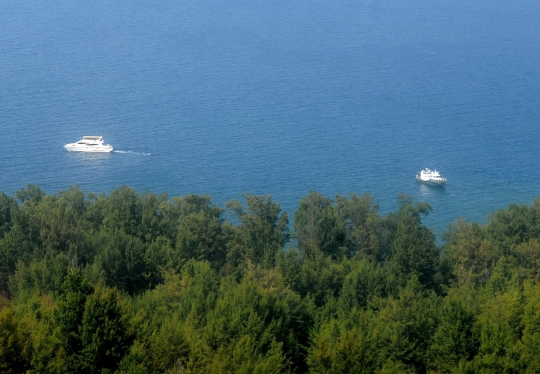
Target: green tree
530, 341
40, 276
413, 249
8, 207
200, 237
345, 345
122, 210
122, 262
470, 253
174, 209
318, 228
169, 346
456, 337
151, 218
365, 227
264, 313
264, 228
365, 281
14, 347
515, 225
159, 258
526, 259
501, 323
21, 243
104, 333
68, 318
320, 278
245, 356
407, 324
32, 194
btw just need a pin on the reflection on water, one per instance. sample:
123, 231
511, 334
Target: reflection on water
89, 160
426, 191
90, 156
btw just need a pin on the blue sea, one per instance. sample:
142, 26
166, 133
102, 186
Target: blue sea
276, 97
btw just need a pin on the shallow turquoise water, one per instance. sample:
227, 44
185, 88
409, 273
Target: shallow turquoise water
276, 97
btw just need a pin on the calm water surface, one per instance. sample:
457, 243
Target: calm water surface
276, 97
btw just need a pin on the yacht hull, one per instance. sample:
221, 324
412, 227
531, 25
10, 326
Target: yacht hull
99, 149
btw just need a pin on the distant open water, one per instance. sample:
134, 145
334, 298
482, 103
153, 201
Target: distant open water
276, 97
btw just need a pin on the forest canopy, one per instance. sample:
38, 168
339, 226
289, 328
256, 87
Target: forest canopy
131, 282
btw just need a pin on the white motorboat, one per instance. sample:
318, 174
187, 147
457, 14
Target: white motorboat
89, 144
431, 177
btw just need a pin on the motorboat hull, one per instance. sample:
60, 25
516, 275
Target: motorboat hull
93, 149
432, 182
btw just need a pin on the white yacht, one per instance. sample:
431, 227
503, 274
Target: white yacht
89, 144
431, 177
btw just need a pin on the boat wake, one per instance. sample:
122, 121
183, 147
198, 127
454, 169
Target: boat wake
134, 153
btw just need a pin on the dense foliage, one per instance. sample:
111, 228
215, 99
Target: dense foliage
144, 283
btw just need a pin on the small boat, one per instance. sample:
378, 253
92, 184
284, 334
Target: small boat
89, 144
431, 177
